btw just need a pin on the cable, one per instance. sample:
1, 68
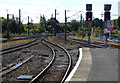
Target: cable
73, 15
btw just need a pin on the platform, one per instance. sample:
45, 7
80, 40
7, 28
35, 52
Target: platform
96, 65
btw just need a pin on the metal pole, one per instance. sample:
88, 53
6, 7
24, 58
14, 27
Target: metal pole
106, 36
19, 20
109, 39
0, 27
28, 26
81, 21
89, 33
8, 37
65, 25
55, 14
56, 27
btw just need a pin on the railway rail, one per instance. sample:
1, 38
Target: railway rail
18, 47
13, 49
7, 63
17, 69
51, 65
47, 68
93, 44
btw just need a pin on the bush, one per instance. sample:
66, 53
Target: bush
115, 31
94, 35
7, 35
82, 34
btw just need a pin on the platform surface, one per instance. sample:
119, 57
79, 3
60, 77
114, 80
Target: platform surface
104, 65
97, 65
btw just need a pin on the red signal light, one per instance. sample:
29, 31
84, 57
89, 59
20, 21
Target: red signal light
88, 19
88, 16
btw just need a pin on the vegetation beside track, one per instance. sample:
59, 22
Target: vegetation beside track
13, 43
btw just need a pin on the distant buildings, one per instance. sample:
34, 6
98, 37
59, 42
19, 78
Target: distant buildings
119, 8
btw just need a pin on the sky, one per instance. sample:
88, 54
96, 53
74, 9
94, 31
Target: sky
35, 8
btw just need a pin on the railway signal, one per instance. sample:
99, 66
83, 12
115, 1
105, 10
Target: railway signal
88, 13
107, 8
107, 17
89, 18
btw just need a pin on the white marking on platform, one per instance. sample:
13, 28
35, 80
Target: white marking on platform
75, 68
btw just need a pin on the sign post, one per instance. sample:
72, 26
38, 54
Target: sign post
110, 25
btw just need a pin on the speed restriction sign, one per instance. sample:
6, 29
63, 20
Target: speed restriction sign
110, 23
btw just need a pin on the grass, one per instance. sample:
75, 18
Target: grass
11, 38
3, 38
12, 43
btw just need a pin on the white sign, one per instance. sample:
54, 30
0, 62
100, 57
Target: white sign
106, 31
110, 23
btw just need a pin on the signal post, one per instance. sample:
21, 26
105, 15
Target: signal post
89, 19
107, 8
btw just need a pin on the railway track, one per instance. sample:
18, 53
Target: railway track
59, 69
18, 47
84, 44
93, 44
26, 66
11, 55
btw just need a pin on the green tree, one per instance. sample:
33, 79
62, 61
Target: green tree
53, 25
118, 21
13, 26
74, 25
43, 23
62, 27
97, 23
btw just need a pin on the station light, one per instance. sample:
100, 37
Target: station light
88, 16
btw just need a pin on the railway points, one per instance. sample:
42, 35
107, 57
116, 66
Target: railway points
69, 46
81, 73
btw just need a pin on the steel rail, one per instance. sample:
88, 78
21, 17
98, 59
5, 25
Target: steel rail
16, 66
20, 63
97, 44
19, 47
45, 69
70, 60
84, 42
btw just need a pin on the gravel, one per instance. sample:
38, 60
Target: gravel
33, 66
40, 61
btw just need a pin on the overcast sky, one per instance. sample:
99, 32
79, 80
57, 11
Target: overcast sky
35, 8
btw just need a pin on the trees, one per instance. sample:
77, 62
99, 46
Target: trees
43, 23
118, 21
13, 26
74, 25
97, 23
53, 25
